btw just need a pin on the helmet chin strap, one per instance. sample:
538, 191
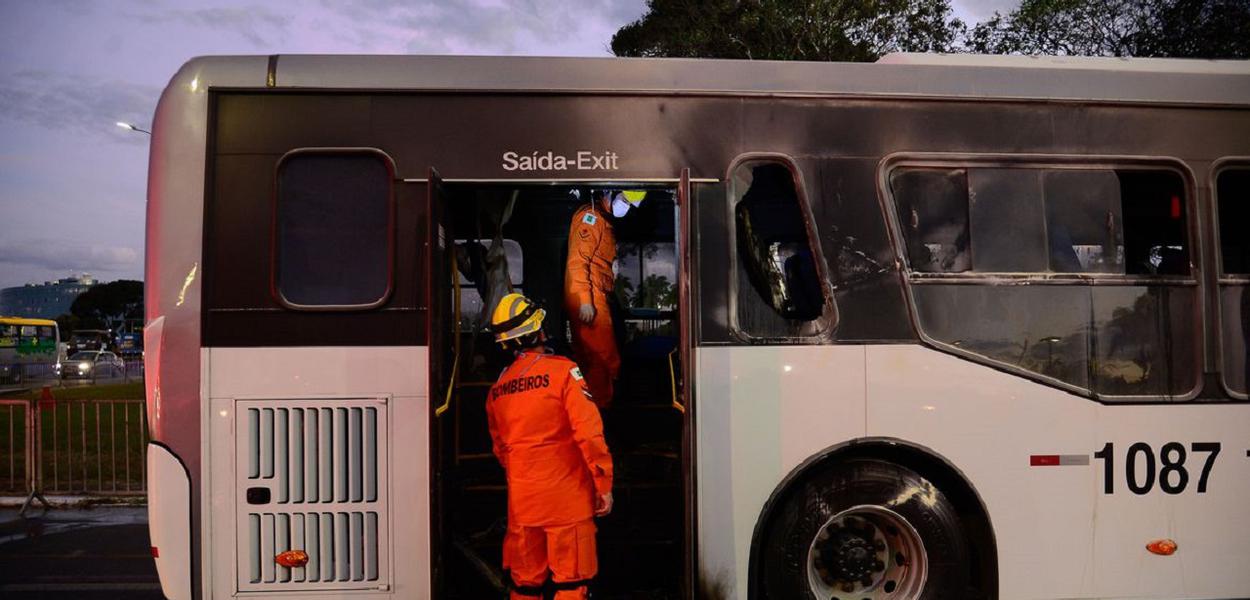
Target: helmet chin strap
526, 342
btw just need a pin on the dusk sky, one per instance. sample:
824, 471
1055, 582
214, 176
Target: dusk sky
73, 184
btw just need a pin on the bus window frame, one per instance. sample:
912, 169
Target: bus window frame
829, 316
275, 291
1221, 278
1196, 242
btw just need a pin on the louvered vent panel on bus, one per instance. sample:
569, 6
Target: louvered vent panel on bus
312, 478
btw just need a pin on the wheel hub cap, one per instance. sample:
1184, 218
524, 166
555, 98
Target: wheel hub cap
850, 554
867, 552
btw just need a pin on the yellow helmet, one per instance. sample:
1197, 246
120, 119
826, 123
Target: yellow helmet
516, 316
634, 197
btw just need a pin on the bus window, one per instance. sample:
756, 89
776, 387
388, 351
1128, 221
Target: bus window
1145, 341
1039, 329
1155, 240
1005, 210
1084, 223
1128, 333
1233, 195
8, 336
933, 209
334, 229
1146, 345
779, 289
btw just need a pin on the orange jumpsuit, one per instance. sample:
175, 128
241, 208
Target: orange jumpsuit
549, 438
588, 279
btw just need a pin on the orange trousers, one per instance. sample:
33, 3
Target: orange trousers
567, 551
594, 346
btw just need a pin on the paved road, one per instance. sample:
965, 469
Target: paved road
77, 555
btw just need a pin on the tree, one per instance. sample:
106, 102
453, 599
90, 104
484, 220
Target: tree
1199, 29
67, 323
656, 291
1156, 28
624, 290
818, 30
109, 304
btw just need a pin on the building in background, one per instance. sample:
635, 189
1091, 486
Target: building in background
44, 300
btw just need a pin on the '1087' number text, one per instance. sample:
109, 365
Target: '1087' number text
1172, 475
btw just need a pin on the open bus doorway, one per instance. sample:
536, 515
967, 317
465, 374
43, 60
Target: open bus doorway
524, 230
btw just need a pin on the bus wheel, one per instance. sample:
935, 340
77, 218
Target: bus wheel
863, 529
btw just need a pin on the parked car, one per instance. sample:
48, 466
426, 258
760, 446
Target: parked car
90, 339
92, 364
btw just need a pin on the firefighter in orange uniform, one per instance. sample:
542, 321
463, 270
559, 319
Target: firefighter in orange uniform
548, 436
588, 283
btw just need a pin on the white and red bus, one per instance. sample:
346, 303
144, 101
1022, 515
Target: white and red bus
930, 328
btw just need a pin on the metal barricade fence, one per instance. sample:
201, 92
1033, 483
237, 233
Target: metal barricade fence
26, 373
37, 374
134, 370
93, 446
74, 447
15, 452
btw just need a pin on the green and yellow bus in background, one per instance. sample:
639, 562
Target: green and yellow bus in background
29, 349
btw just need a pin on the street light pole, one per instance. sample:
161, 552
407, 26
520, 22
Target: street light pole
125, 125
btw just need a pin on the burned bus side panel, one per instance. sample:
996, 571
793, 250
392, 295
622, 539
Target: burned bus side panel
472, 136
211, 283
836, 144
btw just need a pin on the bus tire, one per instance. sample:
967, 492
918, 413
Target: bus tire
864, 528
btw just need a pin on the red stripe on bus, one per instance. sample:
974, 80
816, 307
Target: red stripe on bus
1044, 460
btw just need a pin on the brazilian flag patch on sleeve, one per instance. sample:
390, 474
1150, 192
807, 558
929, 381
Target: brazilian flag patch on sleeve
589, 219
